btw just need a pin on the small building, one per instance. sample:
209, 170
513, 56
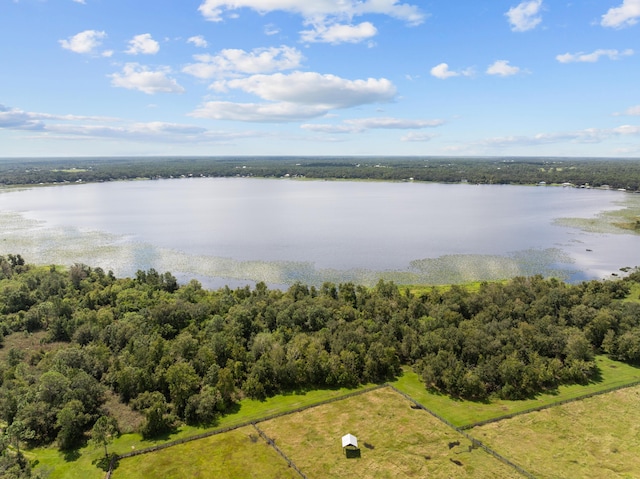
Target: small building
349, 441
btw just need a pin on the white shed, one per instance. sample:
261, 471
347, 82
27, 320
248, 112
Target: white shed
349, 440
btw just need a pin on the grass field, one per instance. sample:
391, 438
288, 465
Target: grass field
463, 413
396, 441
598, 437
240, 453
81, 463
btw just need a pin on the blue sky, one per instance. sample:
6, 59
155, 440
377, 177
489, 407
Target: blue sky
322, 77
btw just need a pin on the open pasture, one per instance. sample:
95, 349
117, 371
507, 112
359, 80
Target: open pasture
595, 437
240, 453
395, 440
465, 413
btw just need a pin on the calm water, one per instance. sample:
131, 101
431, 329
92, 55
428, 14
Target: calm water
245, 230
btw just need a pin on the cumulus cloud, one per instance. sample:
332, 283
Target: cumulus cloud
525, 16
442, 72
363, 124
143, 44
339, 33
318, 10
138, 77
502, 68
296, 96
314, 88
593, 56
625, 15
235, 61
86, 42
198, 41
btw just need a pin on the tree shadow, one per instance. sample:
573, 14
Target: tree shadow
113, 461
71, 455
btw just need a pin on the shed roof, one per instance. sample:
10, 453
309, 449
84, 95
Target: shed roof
349, 440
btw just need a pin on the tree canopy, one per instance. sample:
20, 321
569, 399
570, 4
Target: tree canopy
180, 353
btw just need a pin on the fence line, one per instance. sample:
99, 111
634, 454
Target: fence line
459, 429
548, 406
252, 422
474, 442
272, 443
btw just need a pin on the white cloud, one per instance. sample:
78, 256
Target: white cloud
625, 15
415, 136
586, 136
525, 16
631, 111
84, 42
138, 77
502, 68
14, 119
144, 44
51, 126
271, 29
314, 88
233, 61
198, 41
280, 112
593, 56
317, 10
363, 124
339, 33
442, 71
296, 96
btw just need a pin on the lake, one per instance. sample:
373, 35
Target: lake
238, 231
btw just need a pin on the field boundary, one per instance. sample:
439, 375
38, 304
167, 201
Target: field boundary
252, 422
272, 443
550, 405
474, 442
460, 429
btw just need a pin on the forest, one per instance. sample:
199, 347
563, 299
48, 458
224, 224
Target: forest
596, 172
175, 354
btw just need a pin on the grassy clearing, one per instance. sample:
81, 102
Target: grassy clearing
240, 453
81, 463
29, 343
395, 440
596, 437
634, 294
464, 413
417, 289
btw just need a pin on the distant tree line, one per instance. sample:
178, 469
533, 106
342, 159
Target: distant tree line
182, 354
616, 173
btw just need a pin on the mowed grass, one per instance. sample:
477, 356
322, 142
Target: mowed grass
240, 453
464, 413
396, 441
597, 437
81, 464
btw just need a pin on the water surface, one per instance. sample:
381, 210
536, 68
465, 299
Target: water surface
245, 230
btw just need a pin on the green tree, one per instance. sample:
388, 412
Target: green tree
103, 432
72, 421
183, 383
